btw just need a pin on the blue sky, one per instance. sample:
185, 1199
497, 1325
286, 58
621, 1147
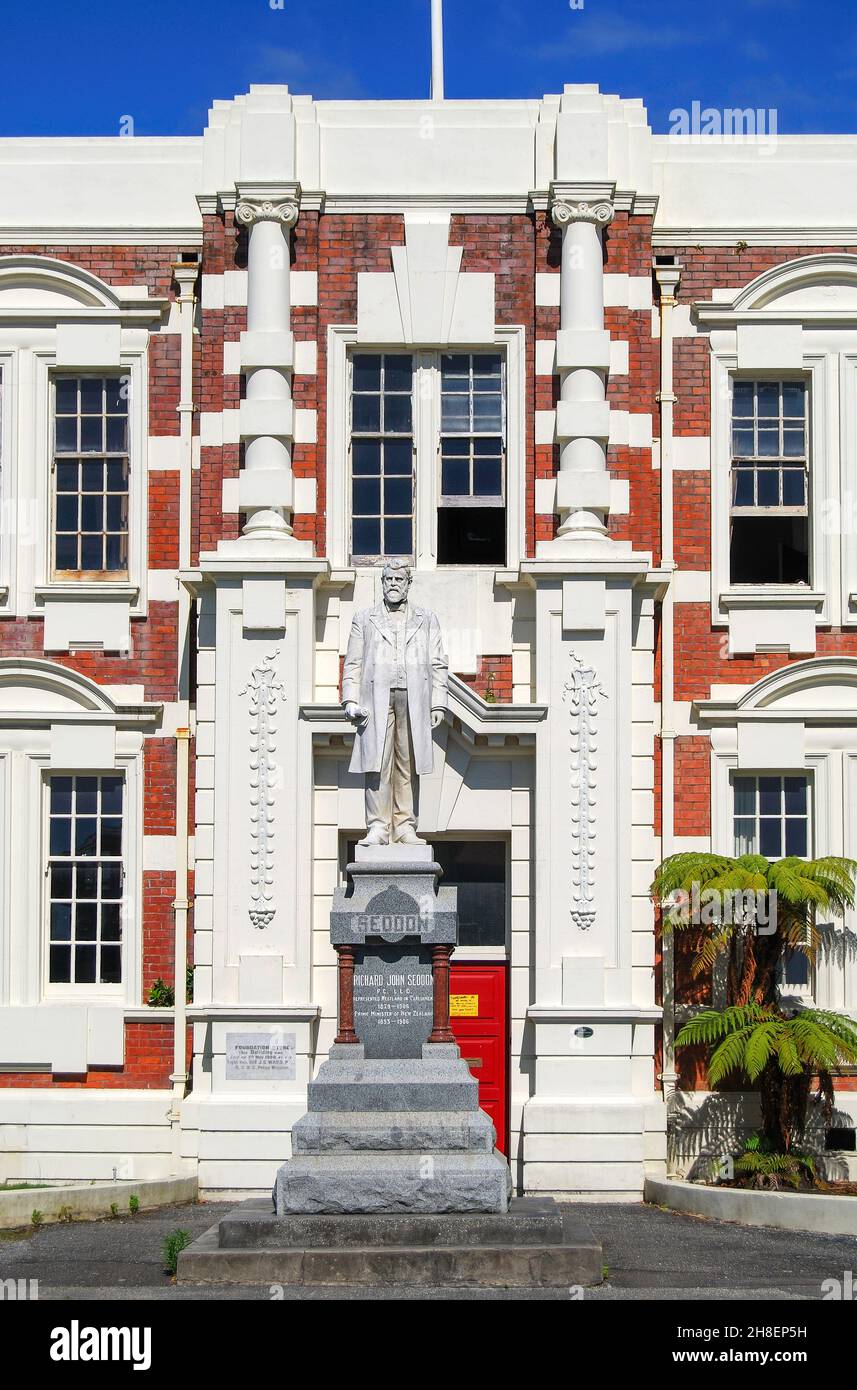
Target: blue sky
71, 68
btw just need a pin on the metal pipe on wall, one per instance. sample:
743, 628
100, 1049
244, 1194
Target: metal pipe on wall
668, 278
186, 274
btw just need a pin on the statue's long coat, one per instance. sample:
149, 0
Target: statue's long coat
370, 664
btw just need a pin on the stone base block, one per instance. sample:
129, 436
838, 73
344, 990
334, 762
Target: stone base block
535, 1244
383, 1085
393, 1182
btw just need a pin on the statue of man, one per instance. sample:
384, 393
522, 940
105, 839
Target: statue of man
394, 689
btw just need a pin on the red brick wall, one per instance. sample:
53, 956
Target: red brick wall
507, 247
701, 650
692, 786
223, 248
493, 680
339, 248
150, 662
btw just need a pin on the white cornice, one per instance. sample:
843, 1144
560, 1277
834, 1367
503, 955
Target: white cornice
594, 1013
401, 203
297, 1013
482, 716
129, 314
755, 236
100, 236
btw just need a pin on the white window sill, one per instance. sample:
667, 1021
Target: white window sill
772, 596
94, 615
107, 996
772, 618
97, 588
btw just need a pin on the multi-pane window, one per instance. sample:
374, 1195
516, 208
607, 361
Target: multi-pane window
85, 880
770, 483
391, 444
471, 441
90, 465
471, 516
382, 455
771, 816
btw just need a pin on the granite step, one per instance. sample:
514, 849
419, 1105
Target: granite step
535, 1245
429, 1131
529, 1221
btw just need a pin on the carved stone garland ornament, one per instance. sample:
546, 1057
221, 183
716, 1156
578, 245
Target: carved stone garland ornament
582, 693
263, 690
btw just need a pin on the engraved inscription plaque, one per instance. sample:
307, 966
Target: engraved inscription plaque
393, 999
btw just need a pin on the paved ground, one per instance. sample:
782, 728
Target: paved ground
649, 1253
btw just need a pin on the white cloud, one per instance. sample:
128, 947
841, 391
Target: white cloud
604, 34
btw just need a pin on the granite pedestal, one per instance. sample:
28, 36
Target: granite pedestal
402, 1135
393, 1121
394, 1177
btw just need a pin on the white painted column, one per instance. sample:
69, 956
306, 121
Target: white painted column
266, 485
583, 357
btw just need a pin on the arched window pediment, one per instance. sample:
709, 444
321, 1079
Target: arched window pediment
47, 287
822, 286
821, 689
37, 688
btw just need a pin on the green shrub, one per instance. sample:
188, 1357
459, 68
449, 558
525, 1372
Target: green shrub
173, 1246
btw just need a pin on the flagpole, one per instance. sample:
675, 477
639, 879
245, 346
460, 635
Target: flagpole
437, 50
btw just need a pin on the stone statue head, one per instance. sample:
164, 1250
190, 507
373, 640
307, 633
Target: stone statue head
395, 581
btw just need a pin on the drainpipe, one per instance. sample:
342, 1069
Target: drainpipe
181, 908
668, 277
185, 274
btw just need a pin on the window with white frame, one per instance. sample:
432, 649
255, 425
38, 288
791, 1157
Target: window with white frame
90, 468
471, 516
389, 448
382, 455
85, 878
772, 817
770, 536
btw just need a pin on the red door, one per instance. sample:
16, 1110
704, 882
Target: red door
477, 1000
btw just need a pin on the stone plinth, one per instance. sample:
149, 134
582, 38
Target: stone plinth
393, 1123
393, 1136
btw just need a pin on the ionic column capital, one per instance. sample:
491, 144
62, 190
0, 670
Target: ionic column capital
599, 213
249, 211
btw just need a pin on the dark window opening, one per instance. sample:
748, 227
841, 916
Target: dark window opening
769, 550
477, 868
770, 483
471, 536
